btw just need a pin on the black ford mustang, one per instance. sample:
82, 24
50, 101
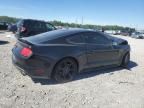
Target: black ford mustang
61, 54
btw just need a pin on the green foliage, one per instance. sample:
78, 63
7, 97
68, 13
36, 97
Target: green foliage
87, 26
97, 27
8, 19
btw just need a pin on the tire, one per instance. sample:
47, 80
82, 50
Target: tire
65, 70
126, 60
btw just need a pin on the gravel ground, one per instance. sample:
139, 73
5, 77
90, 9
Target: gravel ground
109, 88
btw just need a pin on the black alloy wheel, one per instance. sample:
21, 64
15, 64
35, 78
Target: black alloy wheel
65, 70
126, 60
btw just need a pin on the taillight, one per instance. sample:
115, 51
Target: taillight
26, 52
23, 29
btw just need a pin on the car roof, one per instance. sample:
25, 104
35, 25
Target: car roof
54, 35
68, 31
32, 20
65, 32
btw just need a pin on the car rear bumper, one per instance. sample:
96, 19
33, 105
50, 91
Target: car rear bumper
41, 72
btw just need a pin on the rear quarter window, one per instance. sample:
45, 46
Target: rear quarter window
77, 38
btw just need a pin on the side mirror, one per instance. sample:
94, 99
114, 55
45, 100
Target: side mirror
114, 43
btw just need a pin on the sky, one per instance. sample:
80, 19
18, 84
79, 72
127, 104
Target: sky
100, 12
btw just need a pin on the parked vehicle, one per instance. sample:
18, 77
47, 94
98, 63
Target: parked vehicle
61, 54
138, 35
127, 31
3, 26
12, 28
28, 27
143, 34
117, 33
124, 33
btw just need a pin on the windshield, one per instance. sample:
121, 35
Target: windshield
40, 38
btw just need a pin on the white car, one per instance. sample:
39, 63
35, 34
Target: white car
143, 34
138, 35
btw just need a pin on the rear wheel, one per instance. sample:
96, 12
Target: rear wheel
65, 70
126, 60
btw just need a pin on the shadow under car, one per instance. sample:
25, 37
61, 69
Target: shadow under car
3, 42
89, 73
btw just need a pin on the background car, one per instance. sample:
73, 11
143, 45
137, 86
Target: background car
3, 26
61, 54
138, 35
29, 27
143, 34
124, 33
12, 28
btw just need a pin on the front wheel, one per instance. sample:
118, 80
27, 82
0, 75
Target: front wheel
65, 70
126, 60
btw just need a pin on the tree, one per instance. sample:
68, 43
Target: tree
74, 25
8, 19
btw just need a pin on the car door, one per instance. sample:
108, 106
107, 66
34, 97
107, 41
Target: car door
99, 49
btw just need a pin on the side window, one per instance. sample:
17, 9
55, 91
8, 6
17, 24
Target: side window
96, 38
50, 27
1, 23
35, 25
42, 26
29, 24
77, 38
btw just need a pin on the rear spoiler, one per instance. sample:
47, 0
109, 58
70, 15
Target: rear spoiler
24, 41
